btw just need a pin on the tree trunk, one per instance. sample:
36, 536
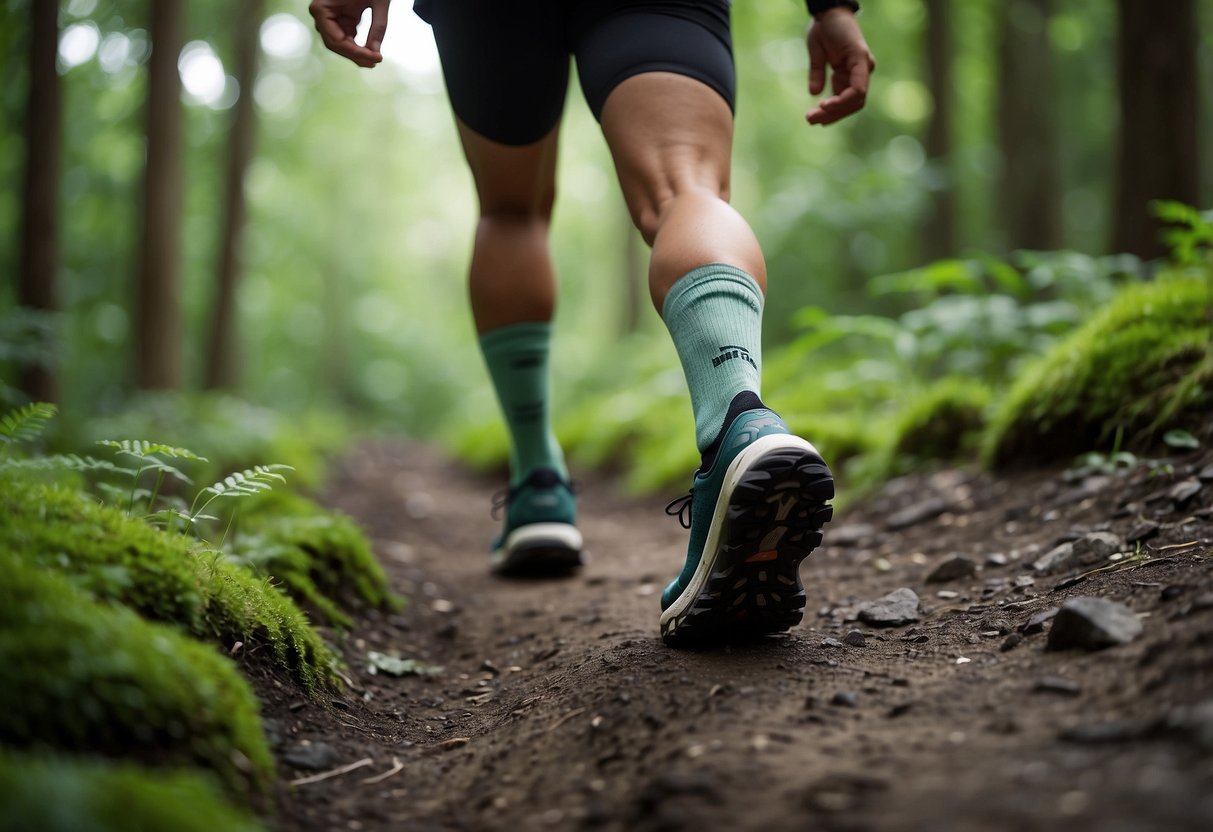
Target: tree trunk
39, 256
939, 233
1158, 154
221, 365
158, 334
1029, 193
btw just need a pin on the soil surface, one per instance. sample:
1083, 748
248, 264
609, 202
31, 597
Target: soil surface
556, 706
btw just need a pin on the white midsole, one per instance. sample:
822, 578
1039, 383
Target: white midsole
548, 534
744, 461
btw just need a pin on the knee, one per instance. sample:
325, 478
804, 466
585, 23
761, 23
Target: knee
655, 207
526, 210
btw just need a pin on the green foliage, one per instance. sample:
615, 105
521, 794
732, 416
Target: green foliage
163, 576
55, 794
80, 676
26, 423
1142, 365
1189, 234
943, 423
320, 557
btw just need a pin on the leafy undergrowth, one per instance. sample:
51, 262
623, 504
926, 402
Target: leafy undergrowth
85, 677
1143, 365
162, 576
53, 794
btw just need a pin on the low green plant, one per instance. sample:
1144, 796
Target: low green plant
84, 677
165, 577
59, 794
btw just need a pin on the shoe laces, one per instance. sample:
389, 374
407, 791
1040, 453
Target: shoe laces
681, 508
501, 499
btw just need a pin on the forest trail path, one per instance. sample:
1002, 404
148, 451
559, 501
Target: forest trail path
558, 707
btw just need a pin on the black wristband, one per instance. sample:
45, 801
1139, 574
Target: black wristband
816, 7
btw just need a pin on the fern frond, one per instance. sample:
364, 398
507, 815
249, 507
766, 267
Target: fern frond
65, 462
26, 423
141, 448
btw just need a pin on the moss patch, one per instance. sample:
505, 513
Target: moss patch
320, 556
942, 423
57, 795
81, 676
1142, 365
162, 576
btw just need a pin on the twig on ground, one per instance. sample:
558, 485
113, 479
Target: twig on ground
396, 768
337, 772
564, 719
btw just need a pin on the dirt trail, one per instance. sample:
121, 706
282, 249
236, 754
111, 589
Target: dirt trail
559, 708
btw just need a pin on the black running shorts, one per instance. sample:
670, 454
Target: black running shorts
506, 62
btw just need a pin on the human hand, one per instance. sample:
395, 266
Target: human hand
834, 39
337, 20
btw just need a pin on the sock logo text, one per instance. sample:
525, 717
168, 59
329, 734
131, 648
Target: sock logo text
728, 353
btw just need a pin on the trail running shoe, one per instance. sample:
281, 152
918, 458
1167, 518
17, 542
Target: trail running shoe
754, 515
540, 538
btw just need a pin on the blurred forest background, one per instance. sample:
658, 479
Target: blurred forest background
195, 196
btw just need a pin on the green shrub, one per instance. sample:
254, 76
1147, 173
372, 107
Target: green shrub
944, 422
163, 576
1140, 366
61, 795
320, 557
80, 676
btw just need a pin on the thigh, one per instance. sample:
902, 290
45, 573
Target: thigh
515, 180
614, 40
506, 65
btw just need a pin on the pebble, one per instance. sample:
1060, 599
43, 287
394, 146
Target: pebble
947, 594
954, 568
1182, 492
1036, 622
855, 639
852, 534
1090, 550
1011, 642
831, 642
311, 756
996, 559
1056, 684
897, 608
915, 514
1093, 624
1206, 474
1142, 531
845, 699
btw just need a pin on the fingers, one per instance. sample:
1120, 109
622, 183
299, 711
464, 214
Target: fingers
850, 87
817, 66
336, 28
374, 37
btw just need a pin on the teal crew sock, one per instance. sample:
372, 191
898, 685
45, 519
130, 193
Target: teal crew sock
517, 359
714, 315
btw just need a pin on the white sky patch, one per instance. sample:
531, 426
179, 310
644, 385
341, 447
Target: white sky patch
78, 43
202, 74
284, 36
409, 44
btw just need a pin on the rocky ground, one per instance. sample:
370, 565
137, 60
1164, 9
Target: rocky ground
934, 683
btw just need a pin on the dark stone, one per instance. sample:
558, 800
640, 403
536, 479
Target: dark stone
898, 608
313, 756
845, 699
953, 569
1095, 733
1036, 623
1011, 642
1090, 550
1056, 684
900, 709
1093, 624
855, 639
1182, 492
918, 512
1142, 531
1170, 593
851, 534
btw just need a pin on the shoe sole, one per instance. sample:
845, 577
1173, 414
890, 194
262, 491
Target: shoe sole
539, 550
767, 520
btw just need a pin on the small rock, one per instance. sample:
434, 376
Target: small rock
900, 709
1182, 492
1010, 642
1093, 624
1142, 531
1170, 593
1206, 474
996, 559
1090, 550
947, 595
1056, 559
855, 639
831, 642
893, 610
310, 756
953, 569
1194, 722
851, 534
1036, 622
845, 699
1056, 684
915, 514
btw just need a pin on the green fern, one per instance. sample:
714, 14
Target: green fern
142, 449
26, 423
65, 462
246, 483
